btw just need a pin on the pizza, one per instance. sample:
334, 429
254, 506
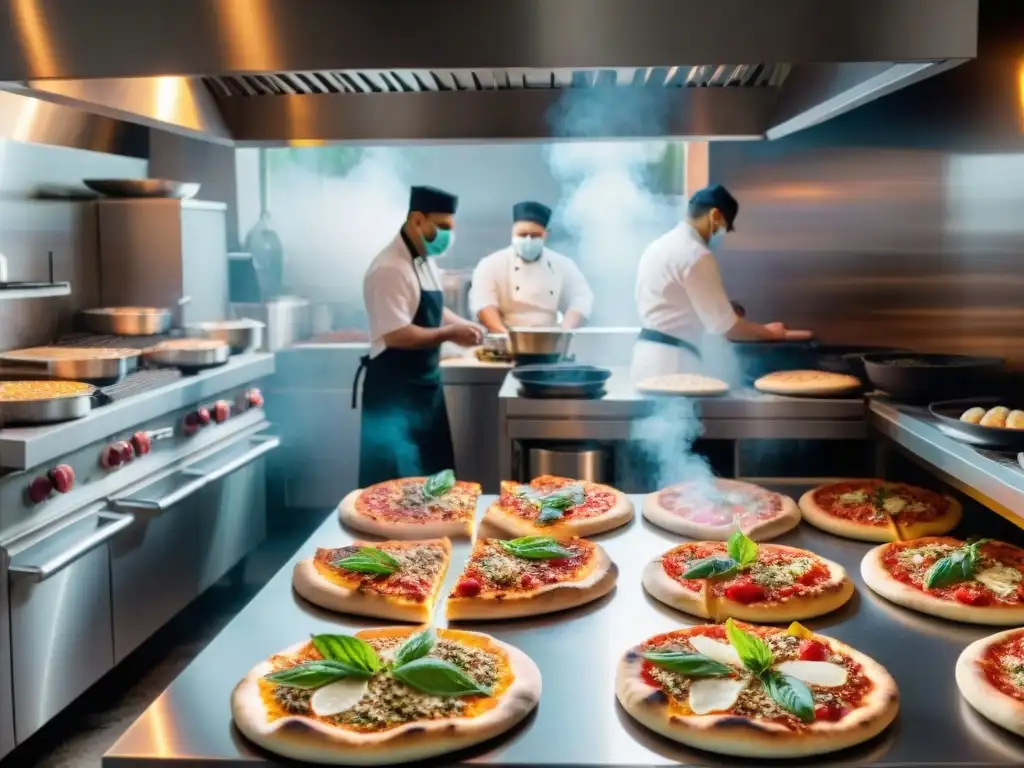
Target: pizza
807, 383
691, 384
877, 510
530, 576
990, 675
558, 507
413, 507
389, 580
764, 692
715, 509
980, 582
748, 581
385, 696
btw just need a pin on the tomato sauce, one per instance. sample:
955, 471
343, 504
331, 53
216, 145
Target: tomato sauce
829, 498
996, 674
968, 593
597, 499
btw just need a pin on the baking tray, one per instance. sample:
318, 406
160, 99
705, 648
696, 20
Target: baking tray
102, 366
188, 355
50, 410
948, 412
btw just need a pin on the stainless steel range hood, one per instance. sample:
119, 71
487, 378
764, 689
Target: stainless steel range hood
271, 72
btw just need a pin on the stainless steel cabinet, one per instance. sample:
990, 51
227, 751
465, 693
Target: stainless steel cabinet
473, 417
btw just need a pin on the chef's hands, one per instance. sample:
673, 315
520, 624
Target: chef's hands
780, 332
464, 334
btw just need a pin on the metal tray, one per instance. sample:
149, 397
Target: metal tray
127, 321
143, 187
170, 354
61, 363
948, 413
50, 410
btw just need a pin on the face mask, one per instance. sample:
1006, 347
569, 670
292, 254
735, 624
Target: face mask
442, 242
528, 248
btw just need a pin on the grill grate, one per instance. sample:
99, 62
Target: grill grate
136, 383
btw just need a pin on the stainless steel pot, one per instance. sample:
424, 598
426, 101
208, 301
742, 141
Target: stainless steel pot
188, 355
100, 365
540, 341
240, 335
127, 321
45, 409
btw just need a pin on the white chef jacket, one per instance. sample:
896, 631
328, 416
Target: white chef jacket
679, 292
391, 289
529, 293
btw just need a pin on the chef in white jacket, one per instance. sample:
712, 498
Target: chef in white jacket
680, 296
526, 284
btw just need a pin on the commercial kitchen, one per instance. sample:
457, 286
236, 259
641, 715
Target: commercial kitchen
193, 198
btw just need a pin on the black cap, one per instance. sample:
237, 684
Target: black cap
432, 200
528, 210
717, 196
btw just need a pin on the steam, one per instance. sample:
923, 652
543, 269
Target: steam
665, 439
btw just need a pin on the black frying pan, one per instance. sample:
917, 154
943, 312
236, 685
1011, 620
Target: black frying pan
948, 413
927, 377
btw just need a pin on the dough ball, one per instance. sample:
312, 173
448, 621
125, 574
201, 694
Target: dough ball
973, 415
1015, 420
996, 417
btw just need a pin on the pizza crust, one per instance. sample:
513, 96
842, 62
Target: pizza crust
548, 598
807, 383
687, 384
974, 686
437, 529
814, 514
787, 519
837, 592
510, 524
306, 739
737, 735
875, 575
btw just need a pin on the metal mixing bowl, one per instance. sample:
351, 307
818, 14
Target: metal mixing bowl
540, 341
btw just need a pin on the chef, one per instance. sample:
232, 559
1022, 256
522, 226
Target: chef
680, 297
526, 284
404, 422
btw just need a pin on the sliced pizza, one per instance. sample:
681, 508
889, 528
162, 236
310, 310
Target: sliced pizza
759, 692
990, 675
713, 510
397, 580
808, 383
413, 507
558, 507
879, 510
530, 576
748, 581
385, 696
980, 582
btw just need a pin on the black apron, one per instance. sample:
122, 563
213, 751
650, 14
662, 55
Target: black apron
404, 430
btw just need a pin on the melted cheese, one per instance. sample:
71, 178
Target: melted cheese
853, 497
780, 574
338, 696
821, 673
1000, 579
714, 694
894, 505
717, 650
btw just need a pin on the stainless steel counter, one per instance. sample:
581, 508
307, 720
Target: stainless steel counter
578, 722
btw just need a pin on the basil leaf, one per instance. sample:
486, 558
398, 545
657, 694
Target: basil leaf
415, 647
688, 664
349, 651
312, 674
711, 567
752, 650
535, 548
791, 694
549, 515
741, 549
361, 564
438, 678
880, 496
959, 565
563, 498
379, 555
438, 485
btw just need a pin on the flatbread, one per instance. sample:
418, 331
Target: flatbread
497, 584
989, 675
518, 510
397, 509
690, 384
807, 383
389, 722
716, 509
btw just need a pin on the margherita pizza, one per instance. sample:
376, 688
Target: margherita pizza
558, 507
385, 696
714, 510
756, 691
530, 576
877, 510
980, 582
990, 675
744, 580
807, 383
413, 507
388, 580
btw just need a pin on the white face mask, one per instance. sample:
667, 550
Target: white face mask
528, 248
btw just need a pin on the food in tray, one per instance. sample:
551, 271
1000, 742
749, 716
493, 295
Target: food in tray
744, 580
70, 353
807, 383
529, 576
1000, 416
413, 507
27, 391
879, 510
978, 582
752, 691
990, 675
485, 355
558, 507
690, 384
713, 510
397, 580
385, 696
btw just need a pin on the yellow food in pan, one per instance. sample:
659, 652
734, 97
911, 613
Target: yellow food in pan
25, 391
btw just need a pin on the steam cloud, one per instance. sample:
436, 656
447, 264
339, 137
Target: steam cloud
664, 441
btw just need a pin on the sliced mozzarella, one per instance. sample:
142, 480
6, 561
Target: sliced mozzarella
713, 694
853, 497
717, 650
822, 673
338, 696
894, 505
1001, 579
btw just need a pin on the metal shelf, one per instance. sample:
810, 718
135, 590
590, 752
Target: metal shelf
47, 292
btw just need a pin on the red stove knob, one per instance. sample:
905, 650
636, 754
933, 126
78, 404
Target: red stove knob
39, 489
62, 477
141, 443
111, 458
255, 398
126, 451
204, 417
191, 424
221, 411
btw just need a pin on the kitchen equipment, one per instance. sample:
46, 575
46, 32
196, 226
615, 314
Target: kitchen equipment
22, 285
188, 355
96, 365
929, 377
127, 321
543, 341
243, 281
40, 401
948, 413
143, 187
561, 380
241, 336
579, 462
287, 320
263, 242
848, 358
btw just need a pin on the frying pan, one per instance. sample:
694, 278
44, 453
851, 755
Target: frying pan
931, 377
948, 412
49, 408
561, 380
